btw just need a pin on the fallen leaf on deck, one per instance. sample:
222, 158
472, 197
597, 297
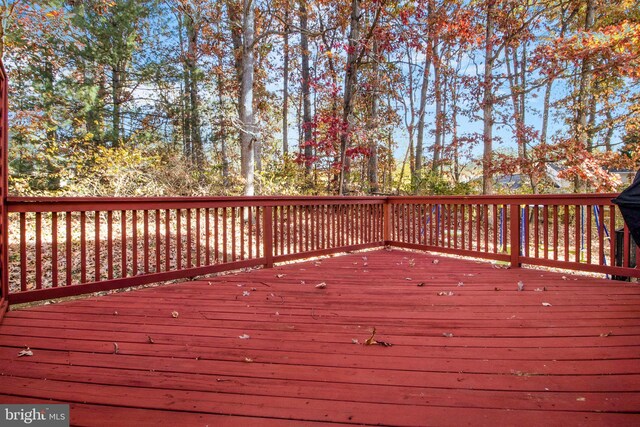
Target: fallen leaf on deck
496, 288
581, 399
365, 264
321, 285
254, 289
277, 313
435, 261
408, 278
149, 339
607, 334
175, 314
116, 349
248, 360
355, 341
26, 352
520, 285
246, 293
546, 304
280, 276
244, 337
447, 334
460, 284
302, 282
364, 258
372, 341
500, 267
445, 294
115, 313
412, 262
388, 248
421, 284
539, 289
564, 277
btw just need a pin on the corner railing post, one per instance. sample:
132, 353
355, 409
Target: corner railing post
386, 221
514, 221
267, 240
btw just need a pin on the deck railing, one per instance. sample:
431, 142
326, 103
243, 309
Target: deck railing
66, 246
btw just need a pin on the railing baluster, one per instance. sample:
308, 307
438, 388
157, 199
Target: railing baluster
158, 241
38, 248
109, 244
588, 229
578, 230
123, 246
198, 239
98, 261
68, 243
23, 252
83, 247
146, 241
224, 235
134, 242
216, 239
207, 241
233, 234
545, 218
566, 233
556, 226
54, 250
167, 240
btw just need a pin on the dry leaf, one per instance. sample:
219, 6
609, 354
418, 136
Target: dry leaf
246, 293
496, 288
302, 282
280, 276
445, 294
435, 261
520, 286
412, 262
581, 399
321, 285
26, 352
364, 258
421, 284
408, 278
175, 314
244, 337
460, 284
277, 314
546, 304
248, 360
447, 334
538, 289
149, 339
370, 340
355, 341
365, 264
115, 313
116, 349
607, 334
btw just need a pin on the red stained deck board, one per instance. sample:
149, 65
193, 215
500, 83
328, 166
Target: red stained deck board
510, 360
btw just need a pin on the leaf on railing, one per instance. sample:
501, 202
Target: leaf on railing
26, 352
175, 314
321, 285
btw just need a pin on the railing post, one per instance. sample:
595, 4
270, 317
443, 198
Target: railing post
514, 221
4, 171
267, 240
386, 221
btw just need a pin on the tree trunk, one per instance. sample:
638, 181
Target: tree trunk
487, 104
372, 167
306, 91
116, 89
197, 154
350, 82
247, 126
437, 81
285, 87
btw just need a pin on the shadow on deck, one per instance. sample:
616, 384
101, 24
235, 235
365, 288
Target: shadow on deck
268, 347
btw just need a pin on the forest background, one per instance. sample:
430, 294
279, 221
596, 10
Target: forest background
188, 97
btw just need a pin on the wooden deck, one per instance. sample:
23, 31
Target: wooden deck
468, 348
